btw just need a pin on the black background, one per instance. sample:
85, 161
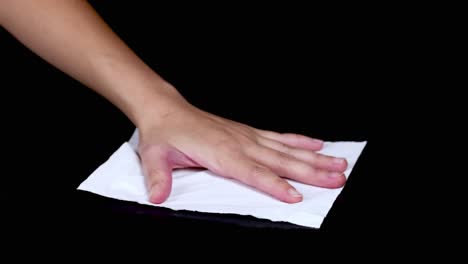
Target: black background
326, 73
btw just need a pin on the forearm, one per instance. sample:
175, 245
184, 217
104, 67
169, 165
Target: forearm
71, 36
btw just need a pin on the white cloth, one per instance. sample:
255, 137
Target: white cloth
121, 177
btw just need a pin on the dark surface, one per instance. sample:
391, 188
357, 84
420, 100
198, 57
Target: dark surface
328, 79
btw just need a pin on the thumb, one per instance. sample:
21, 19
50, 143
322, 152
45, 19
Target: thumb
158, 174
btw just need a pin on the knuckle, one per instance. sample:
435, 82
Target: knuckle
225, 144
280, 182
152, 150
311, 171
233, 146
225, 152
314, 157
247, 145
153, 177
256, 172
322, 159
292, 136
283, 160
285, 148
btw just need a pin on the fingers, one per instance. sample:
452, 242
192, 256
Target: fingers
315, 159
293, 140
261, 178
287, 166
158, 174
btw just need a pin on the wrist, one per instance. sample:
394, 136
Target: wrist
161, 101
139, 92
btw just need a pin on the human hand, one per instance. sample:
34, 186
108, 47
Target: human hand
189, 137
173, 133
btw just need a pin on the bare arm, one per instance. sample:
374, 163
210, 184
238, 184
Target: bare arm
71, 36
173, 134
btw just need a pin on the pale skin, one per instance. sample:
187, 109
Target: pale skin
173, 133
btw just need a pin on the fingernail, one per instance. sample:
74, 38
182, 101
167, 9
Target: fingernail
335, 175
338, 161
294, 193
318, 141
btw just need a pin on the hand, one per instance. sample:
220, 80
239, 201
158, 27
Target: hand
189, 137
177, 134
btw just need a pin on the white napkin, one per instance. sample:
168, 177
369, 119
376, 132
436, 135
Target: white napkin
121, 177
